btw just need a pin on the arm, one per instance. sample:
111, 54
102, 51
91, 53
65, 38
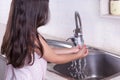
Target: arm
65, 50
51, 56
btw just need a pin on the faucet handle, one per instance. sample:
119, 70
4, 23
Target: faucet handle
73, 39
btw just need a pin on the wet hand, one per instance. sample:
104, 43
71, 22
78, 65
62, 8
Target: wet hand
83, 51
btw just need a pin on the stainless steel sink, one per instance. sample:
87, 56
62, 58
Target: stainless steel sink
101, 65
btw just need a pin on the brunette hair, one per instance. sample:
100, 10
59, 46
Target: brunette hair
19, 41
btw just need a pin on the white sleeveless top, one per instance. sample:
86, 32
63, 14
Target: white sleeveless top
37, 71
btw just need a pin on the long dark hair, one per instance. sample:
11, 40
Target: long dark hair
21, 37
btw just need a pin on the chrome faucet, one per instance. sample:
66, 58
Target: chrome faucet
78, 34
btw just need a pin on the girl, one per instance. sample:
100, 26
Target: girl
26, 50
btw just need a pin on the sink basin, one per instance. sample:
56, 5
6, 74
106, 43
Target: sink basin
100, 64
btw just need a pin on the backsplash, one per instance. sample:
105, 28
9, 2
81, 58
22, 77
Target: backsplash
98, 31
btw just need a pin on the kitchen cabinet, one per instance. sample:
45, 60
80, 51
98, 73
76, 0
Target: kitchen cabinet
105, 9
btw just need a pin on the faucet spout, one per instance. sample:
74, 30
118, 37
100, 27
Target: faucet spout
78, 30
78, 35
78, 23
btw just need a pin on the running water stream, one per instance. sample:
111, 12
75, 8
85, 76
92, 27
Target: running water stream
77, 69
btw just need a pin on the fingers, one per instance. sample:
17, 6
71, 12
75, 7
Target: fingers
86, 53
83, 51
75, 49
78, 46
